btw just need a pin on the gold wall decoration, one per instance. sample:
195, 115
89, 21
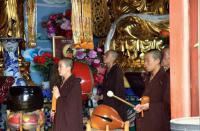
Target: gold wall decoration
100, 18
82, 24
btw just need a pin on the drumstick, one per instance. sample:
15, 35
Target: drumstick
111, 94
144, 100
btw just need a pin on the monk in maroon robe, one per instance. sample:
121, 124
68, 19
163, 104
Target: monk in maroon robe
113, 81
166, 59
157, 111
68, 116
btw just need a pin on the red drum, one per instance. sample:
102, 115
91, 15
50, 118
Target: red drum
82, 71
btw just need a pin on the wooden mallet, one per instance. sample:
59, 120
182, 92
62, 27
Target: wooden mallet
111, 94
144, 100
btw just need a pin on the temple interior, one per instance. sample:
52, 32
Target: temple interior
36, 36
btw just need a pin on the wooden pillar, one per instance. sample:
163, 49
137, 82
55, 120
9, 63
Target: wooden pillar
179, 58
199, 51
184, 58
194, 57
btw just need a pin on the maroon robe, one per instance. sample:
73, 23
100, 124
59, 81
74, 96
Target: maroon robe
157, 117
69, 107
113, 80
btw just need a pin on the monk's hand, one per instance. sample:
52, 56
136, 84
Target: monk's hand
138, 108
52, 115
145, 106
98, 97
56, 92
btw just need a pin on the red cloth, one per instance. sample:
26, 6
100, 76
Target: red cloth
5, 84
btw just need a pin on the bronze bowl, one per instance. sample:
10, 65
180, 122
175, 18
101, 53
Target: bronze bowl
25, 98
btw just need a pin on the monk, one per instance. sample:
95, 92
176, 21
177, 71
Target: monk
113, 80
68, 116
157, 111
166, 59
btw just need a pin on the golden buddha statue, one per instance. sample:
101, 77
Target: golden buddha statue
137, 25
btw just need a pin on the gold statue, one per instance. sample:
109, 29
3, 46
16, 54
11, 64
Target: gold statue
11, 14
136, 34
137, 25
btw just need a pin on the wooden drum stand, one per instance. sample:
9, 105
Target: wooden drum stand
89, 128
22, 120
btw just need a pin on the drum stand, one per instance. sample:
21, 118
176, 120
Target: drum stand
21, 127
89, 128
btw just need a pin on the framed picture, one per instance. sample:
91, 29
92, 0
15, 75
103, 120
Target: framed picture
60, 46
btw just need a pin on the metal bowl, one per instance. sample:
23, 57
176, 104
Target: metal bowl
25, 98
185, 124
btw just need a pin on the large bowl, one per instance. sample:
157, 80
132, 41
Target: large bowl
185, 124
25, 98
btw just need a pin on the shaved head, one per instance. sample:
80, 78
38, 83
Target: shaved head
156, 54
114, 54
67, 62
110, 57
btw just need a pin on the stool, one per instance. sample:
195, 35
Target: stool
126, 126
21, 118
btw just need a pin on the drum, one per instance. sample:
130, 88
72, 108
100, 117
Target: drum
103, 116
82, 71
